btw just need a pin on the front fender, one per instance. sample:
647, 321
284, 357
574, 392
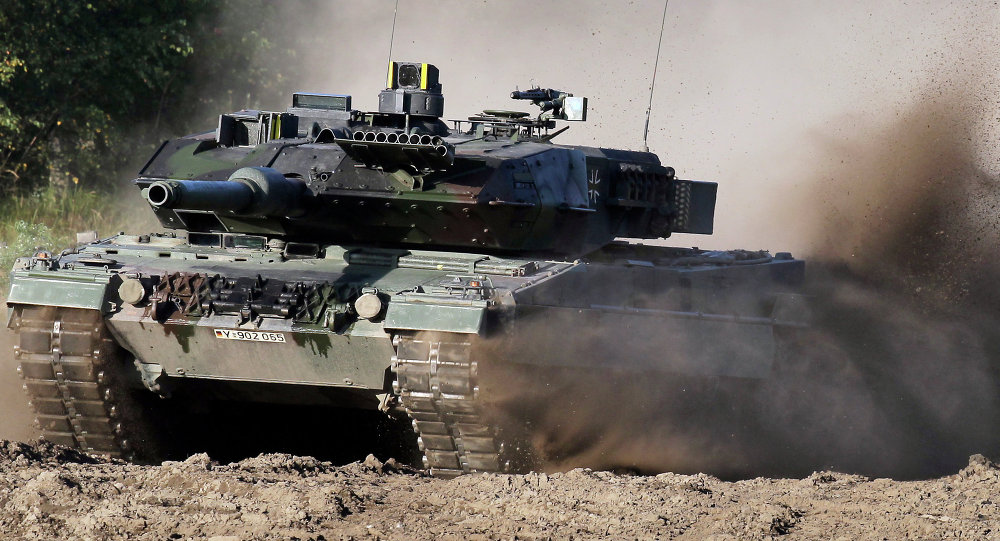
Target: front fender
64, 288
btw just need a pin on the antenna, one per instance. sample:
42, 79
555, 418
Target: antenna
393, 35
645, 132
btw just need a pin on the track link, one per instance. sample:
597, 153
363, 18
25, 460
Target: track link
436, 380
71, 370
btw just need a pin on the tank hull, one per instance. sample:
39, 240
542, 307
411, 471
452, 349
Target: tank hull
208, 314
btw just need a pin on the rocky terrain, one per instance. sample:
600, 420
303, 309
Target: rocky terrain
49, 492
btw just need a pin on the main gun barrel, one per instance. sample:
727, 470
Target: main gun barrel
250, 191
217, 195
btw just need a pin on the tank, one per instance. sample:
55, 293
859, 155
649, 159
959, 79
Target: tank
381, 262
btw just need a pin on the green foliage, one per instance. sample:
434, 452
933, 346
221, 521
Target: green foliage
52, 216
75, 74
64, 209
25, 239
88, 89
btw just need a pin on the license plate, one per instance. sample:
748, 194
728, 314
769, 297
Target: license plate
253, 336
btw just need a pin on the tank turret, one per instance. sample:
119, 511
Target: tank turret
400, 176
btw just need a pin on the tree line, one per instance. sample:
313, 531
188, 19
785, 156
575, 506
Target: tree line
88, 89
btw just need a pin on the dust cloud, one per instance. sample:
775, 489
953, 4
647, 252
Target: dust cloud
902, 279
15, 417
861, 136
896, 210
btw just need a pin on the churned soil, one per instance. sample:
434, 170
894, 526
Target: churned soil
50, 492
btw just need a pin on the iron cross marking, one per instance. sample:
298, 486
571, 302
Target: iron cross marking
593, 185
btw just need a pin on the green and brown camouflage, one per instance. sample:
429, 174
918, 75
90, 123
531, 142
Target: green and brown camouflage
370, 259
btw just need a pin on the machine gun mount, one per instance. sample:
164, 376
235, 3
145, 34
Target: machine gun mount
563, 105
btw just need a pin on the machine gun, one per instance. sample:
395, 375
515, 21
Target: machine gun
563, 105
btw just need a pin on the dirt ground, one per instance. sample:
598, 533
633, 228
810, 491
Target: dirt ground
47, 492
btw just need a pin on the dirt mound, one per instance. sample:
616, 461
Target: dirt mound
48, 492
17, 454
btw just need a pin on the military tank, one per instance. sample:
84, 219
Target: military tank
382, 261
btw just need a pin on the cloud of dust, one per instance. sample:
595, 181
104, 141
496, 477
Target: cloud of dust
865, 139
897, 210
15, 416
903, 233
862, 136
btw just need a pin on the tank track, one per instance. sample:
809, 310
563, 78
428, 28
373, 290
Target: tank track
436, 381
72, 369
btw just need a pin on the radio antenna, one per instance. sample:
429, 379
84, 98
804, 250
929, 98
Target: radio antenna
645, 132
393, 35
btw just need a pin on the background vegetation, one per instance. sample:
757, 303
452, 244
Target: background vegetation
89, 89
